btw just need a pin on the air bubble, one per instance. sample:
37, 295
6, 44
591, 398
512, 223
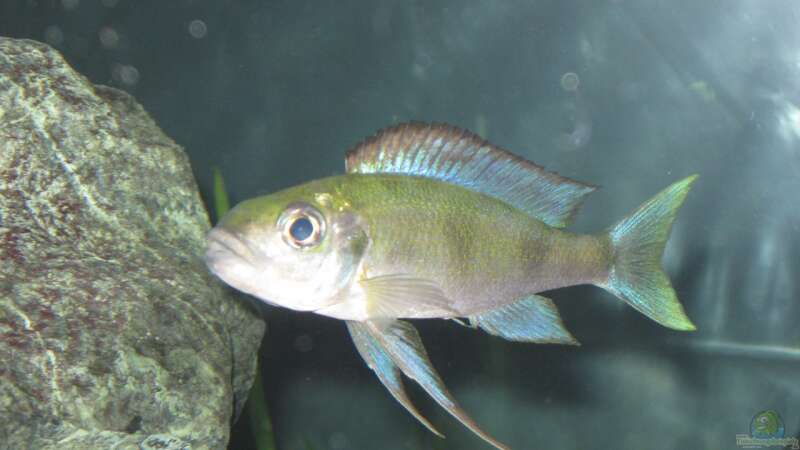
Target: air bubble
129, 75
53, 35
198, 29
570, 81
109, 38
125, 74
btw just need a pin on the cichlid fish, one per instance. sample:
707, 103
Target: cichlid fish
431, 221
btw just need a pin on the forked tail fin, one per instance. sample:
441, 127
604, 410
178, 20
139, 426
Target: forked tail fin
636, 275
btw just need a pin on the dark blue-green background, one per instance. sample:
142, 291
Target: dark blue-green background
276, 91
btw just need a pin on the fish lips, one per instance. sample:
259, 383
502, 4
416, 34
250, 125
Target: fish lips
225, 250
234, 260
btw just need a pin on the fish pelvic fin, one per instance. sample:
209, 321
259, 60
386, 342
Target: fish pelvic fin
381, 363
638, 241
393, 344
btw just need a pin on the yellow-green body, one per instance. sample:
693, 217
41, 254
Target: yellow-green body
482, 252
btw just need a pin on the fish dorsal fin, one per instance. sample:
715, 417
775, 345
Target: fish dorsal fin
457, 156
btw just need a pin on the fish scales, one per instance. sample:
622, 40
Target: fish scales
483, 252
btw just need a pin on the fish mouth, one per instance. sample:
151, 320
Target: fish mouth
223, 246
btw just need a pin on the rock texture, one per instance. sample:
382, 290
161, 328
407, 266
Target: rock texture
112, 333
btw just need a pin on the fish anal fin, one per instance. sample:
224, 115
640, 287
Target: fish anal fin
401, 342
531, 319
450, 154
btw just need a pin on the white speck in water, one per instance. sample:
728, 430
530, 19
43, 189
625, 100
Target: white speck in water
303, 343
53, 35
338, 441
109, 38
198, 29
70, 4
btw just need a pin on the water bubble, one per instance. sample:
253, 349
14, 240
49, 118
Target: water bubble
129, 75
303, 343
53, 35
570, 81
125, 74
109, 38
70, 4
198, 29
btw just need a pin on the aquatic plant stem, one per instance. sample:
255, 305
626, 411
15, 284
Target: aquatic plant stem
260, 423
221, 202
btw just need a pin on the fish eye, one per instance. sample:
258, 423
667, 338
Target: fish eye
301, 229
301, 225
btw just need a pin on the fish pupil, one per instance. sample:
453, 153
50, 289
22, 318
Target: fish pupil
301, 229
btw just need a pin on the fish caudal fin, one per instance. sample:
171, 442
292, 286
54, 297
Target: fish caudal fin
638, 241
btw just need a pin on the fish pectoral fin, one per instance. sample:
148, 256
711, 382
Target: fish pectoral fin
405, 296
532, 319
381, 363
398, 341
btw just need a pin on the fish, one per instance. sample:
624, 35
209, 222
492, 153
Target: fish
430, 221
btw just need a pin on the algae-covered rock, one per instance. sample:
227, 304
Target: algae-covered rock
112, 333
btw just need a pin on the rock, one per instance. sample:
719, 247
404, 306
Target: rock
112, 332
